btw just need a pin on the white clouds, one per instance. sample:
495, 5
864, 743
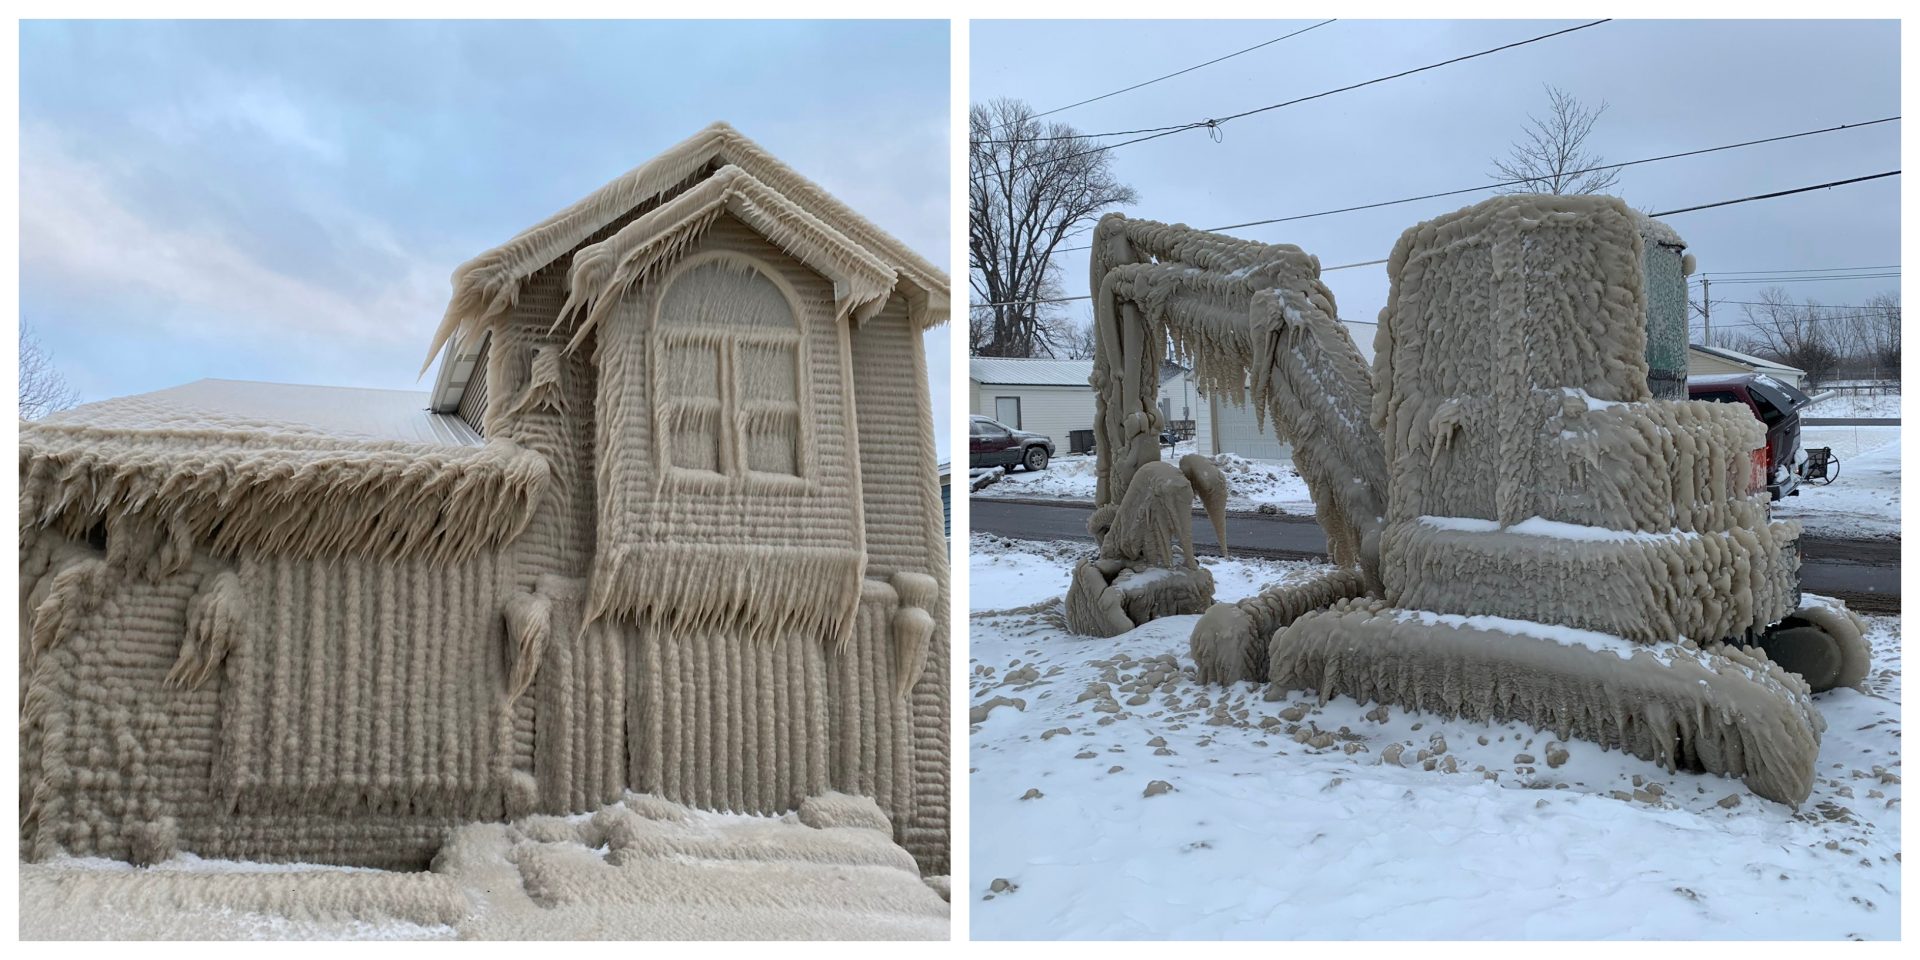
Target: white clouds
79, 237
226, 107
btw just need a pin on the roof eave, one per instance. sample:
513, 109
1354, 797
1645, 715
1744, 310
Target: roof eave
457, 363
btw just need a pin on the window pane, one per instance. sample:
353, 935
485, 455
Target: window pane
692, 370
769, 372
694, 436
724, 292
773, 440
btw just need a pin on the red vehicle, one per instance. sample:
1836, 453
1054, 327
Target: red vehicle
994, 444
1776, 404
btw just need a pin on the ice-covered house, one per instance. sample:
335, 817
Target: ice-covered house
669, 522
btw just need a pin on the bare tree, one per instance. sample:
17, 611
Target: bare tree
1723, 338
1032, 184
43, 389
1552, 156
1077, 342
1879, 339
1796, 334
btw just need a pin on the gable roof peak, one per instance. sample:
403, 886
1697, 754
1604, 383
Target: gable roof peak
488, 285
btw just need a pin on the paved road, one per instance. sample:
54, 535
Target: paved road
1849, 421
1864, 573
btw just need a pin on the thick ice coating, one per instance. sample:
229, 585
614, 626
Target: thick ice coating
1229, 645
1511, 386
1722, 710
1502, 479
1256, 323
679, 533
1253, 319
640, 868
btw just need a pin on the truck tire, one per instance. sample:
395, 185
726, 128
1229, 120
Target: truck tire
1805, 649
1035, 458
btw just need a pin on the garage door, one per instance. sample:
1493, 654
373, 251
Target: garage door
1239, 433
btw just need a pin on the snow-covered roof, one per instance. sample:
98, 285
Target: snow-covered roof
1030, 371
1744, 359
346, 413
1045, 372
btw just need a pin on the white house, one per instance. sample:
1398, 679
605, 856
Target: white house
1703, 361
1053, 397
1235, 430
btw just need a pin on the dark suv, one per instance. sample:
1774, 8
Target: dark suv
994, 444
1777, 404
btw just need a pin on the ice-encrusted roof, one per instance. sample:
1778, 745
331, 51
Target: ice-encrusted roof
228, 466
488, 284
347, 413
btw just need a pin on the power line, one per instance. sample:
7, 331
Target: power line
1821, 317
1020, 303
1403, 73
1717, 324
1777, 193
1349, 266
1155, 80
1772, 280
1824, 306
1508, 183
1214, 123
1733, 273
1664, 213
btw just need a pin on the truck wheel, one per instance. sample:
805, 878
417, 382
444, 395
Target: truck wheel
1036, 458
1805, 649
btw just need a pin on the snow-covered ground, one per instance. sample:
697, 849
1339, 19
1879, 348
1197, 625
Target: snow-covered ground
1863, 503
1196, 811
1856, 405
1264, 486
1865, 500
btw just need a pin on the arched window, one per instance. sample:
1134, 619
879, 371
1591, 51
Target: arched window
729, 371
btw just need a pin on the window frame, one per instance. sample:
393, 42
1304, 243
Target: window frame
735, 410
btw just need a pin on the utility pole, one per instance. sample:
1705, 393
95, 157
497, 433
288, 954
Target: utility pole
1706, 311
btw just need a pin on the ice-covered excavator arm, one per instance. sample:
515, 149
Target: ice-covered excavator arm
1256, 324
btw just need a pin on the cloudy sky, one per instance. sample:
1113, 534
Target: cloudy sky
286, 202
1670, 86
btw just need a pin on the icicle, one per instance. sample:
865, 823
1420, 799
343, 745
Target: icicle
216, 624
1204, 475
72, 593
761, 593
162, 493
529, 619
912, 628
543, 386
